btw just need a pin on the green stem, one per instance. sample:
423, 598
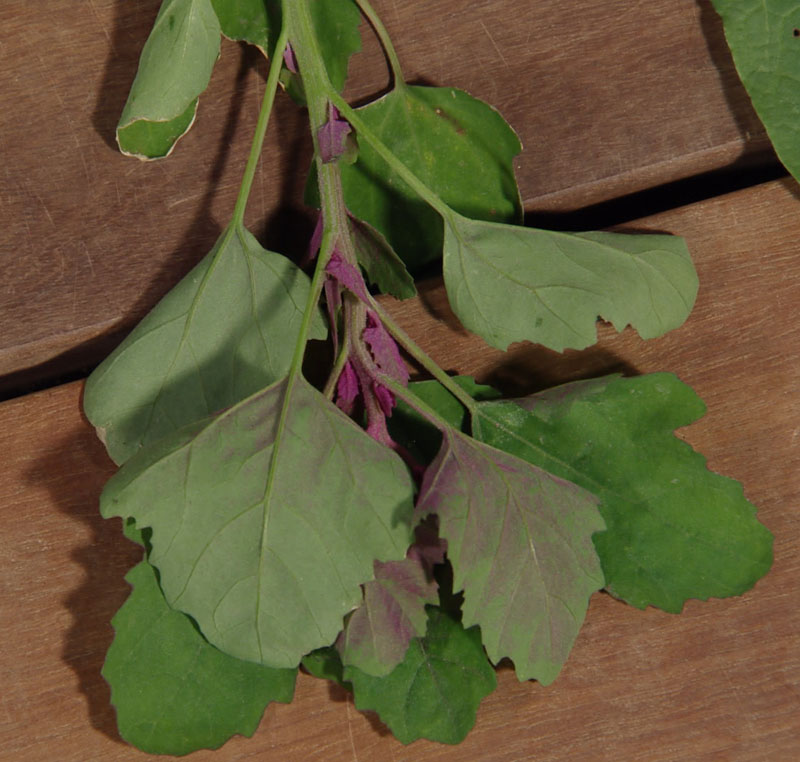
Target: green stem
386, 42
425, 360
261, 126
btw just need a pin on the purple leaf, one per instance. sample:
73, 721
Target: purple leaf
332, 137
347, 389
348, 275
289, 59
384, 349
520, 541
378, 632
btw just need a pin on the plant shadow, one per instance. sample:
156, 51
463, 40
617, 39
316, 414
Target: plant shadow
81, 467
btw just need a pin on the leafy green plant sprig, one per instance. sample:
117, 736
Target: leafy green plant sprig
399, 537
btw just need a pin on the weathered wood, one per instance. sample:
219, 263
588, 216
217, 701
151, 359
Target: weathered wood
608, 98
718, 682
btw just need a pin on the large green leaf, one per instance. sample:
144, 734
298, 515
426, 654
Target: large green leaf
520, 542
174, 68
225, 331
509, 283
174, 693
267, 520
675, 530
458, 146
764, 38
435, 691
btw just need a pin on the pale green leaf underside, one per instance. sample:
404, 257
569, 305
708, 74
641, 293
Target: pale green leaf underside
174, 68
225, 331
435, 691
264, 531
675, 530
764, 40
173, 692
520, 544
460, 147
508, 283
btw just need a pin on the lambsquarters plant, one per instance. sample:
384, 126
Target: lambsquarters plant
400, 538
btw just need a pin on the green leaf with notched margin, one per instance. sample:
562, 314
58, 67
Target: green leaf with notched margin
252, 21
225, 331
509, 283
435, 691
764, 38
520, 543
460, 147
267, 519
377, 633
174, 68
173, 692
380, 262
675, 530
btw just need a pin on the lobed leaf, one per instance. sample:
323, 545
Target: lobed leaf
461, 148
174, 68
519, 541
508, 283
377, 633
225, 331
435, 691
765, 43
267, 519
173, 692
674, 529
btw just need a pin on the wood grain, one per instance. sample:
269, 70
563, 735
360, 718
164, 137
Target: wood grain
719, 682
607, 98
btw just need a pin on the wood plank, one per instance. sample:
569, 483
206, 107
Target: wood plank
718, 682
607, 99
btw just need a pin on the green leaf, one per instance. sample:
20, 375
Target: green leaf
519, 541
765, 42
267, 520
675, 530
461, 148
326, 664
174, 68
154, 140
336, 24
378, 632
174, 693
225, 331
417, 434
252, 21
509, 283
435, 691
380, 262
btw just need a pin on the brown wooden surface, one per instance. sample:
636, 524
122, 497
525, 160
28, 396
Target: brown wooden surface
608, 98
720, 682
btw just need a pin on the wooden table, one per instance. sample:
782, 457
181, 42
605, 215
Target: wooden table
616, 99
